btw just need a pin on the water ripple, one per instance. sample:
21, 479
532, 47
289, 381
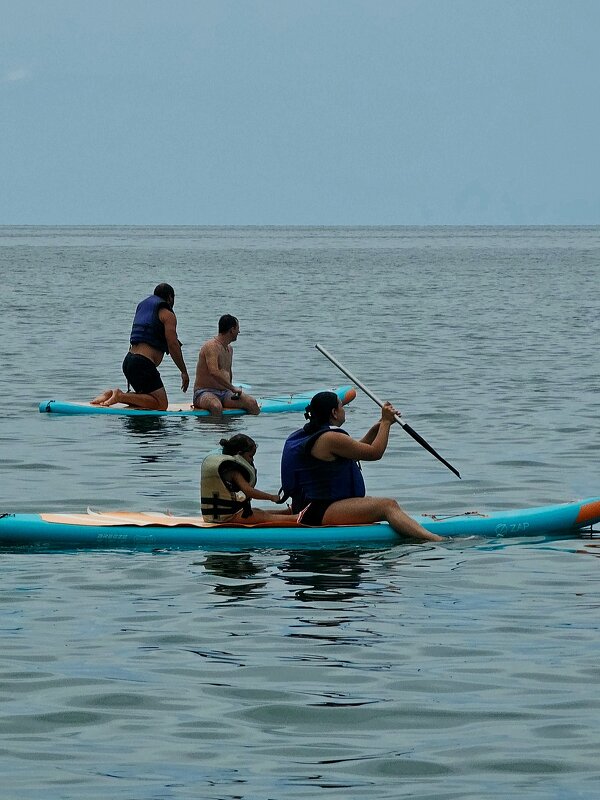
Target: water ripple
456, 672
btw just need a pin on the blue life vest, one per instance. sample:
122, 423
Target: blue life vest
305, 478
147, 327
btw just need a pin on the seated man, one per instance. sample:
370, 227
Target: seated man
320, 471
213, 387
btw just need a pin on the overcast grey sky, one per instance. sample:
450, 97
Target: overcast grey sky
300, 111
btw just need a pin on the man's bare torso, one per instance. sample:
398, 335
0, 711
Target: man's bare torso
216, 354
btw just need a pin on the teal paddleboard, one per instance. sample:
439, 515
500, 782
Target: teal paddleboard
268, 405
149, 530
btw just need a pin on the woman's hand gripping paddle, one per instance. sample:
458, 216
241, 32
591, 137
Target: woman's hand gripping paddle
399, 420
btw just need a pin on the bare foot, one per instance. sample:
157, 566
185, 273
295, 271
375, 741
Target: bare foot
113, 397
98, 401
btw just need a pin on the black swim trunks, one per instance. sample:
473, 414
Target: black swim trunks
141, 374
314, 512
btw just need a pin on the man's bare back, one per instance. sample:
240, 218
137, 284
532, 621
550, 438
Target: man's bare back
213, 370
213, 385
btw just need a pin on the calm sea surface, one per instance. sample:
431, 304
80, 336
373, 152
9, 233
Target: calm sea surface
464, 670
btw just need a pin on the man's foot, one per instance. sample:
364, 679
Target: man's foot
100, 400
113, 397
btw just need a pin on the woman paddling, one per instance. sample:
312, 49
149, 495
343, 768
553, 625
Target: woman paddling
319, 471
227, 486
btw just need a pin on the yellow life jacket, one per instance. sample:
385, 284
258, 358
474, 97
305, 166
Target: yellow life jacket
218, 498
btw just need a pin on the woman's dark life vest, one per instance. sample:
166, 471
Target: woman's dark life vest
305, 478
147, 327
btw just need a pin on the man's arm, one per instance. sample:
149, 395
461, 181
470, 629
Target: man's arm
220, 376
169, 321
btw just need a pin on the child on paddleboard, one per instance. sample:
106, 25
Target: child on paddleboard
228, 485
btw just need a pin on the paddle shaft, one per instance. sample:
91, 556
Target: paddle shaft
355, 380
411, 431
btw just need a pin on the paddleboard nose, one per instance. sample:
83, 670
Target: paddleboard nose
349, 396
589, 513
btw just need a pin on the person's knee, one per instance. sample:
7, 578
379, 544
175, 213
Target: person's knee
161, 400
388, 505
210, 404
248, 404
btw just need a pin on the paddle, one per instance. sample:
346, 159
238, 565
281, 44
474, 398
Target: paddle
411, 431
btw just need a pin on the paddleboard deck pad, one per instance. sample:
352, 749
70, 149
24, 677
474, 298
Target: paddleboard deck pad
271, 405
151, 530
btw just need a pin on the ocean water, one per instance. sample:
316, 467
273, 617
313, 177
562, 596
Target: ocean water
464, 670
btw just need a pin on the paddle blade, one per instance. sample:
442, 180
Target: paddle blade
412, 432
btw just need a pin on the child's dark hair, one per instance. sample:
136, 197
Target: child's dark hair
318, 411
239, 443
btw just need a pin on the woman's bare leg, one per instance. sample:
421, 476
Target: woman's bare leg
365, 510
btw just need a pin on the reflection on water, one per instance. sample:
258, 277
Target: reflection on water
132, 675
146, 425
313, 574
149, 425
237, 567
589, 549
231, 565
153, 435
217, 426
324, 575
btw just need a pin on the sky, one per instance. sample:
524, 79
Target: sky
299, 112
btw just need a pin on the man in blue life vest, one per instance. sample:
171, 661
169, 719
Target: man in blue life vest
320, 471
153, 333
